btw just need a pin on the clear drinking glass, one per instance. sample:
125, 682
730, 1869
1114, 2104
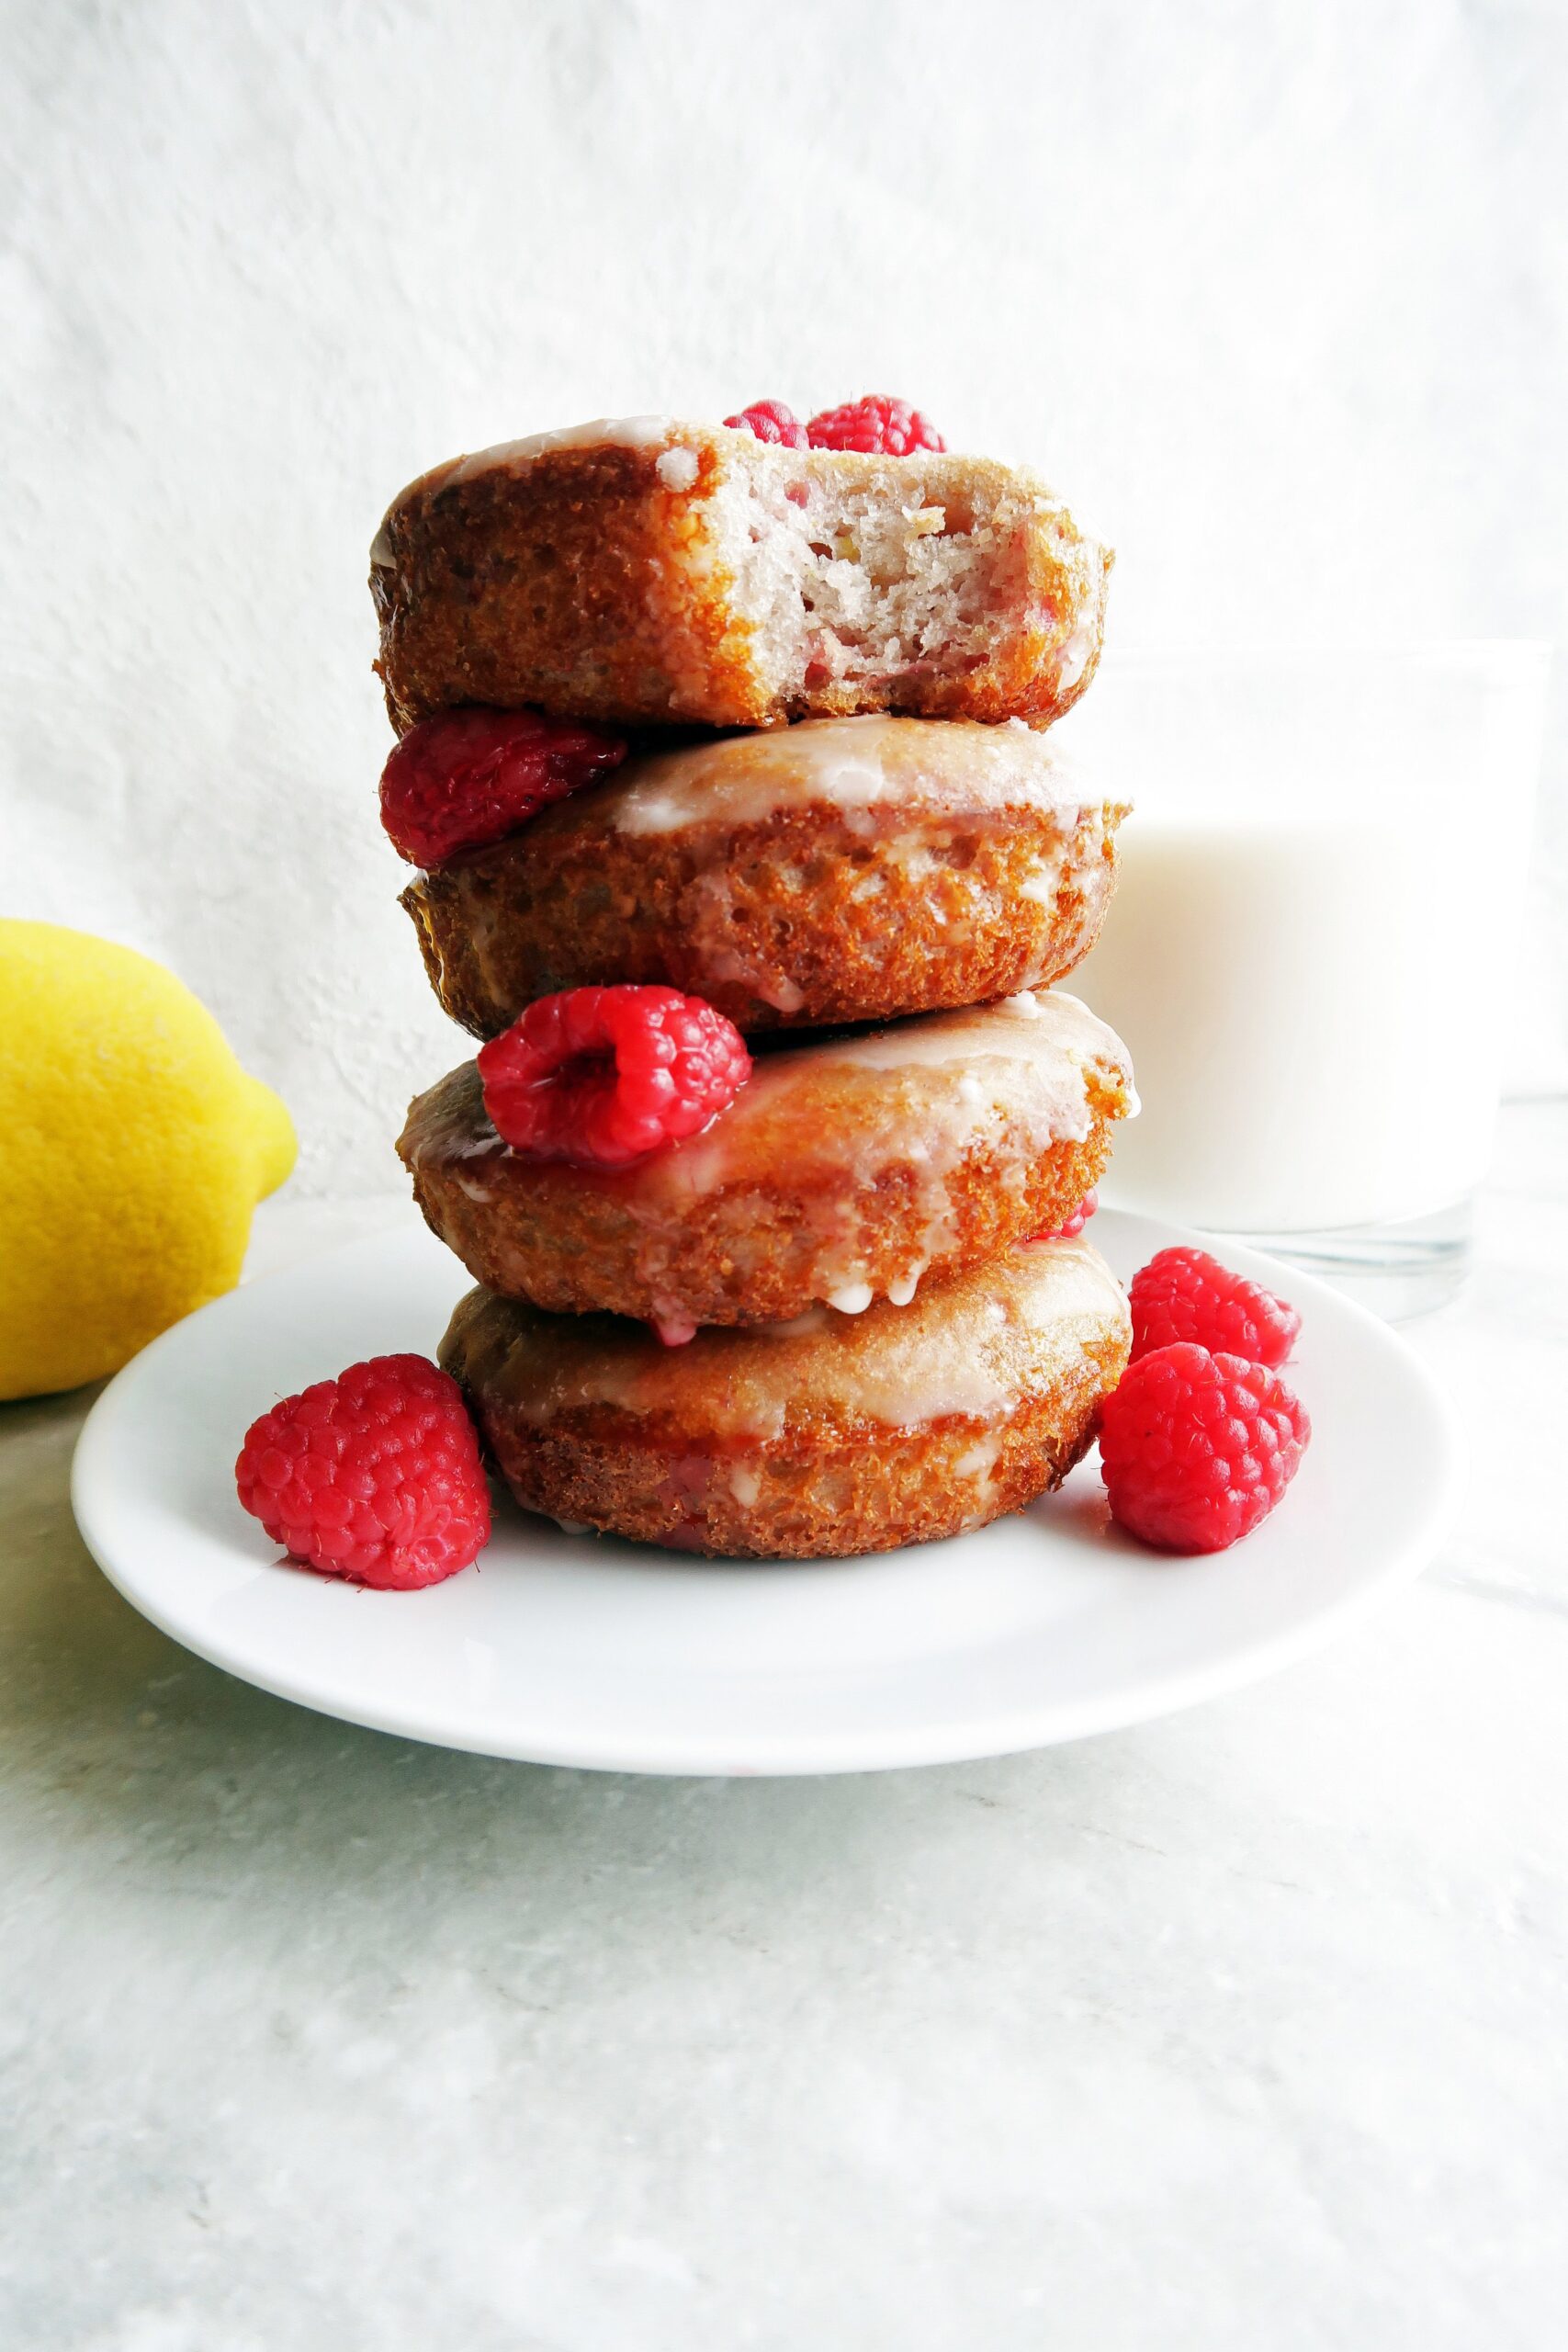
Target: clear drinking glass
1311, 946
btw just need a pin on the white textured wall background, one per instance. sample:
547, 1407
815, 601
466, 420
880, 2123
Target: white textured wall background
1276, 293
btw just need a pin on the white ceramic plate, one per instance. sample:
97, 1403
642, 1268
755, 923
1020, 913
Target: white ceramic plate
587, 1651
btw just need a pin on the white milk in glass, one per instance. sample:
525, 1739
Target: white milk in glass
1318, 893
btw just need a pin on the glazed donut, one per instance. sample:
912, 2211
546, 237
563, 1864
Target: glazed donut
641, 570
832, 1434
845, 1166
843, 870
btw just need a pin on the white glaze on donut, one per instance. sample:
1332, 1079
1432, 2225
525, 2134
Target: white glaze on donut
852, 766
973, 1349
601, 433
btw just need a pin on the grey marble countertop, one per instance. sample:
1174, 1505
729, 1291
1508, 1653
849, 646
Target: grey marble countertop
1242, 2029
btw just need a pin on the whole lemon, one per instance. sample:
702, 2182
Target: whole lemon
132, 1150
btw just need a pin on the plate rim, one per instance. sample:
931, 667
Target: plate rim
961, 1738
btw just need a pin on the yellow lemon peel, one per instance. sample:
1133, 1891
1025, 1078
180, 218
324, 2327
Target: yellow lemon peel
133, 1148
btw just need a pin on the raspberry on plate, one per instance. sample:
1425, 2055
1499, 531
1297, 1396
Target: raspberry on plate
1196, 1449
877, 425
373, 1476
1071, 1226
472, 775
600, 1077
1183, 1293
771, 421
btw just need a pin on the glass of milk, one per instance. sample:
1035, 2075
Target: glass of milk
1310, 951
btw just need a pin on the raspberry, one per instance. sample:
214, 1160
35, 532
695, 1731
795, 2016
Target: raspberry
375, 1475
1187, 1295
1196, 1449
601, 1077
1073, 1225
771, 421
881, 426
675, 1329
470, 776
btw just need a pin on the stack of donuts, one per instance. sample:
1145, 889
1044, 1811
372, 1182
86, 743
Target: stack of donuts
725, 754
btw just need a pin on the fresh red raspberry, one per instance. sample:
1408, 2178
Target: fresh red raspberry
771, 421
375, 1475
601, 1077
1185, 1294
1196, 1449
472, 775
880, 427
1071, 1226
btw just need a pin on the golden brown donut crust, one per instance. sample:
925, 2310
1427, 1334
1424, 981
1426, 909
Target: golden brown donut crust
579, 581
782, 907
825, 1174
664, 1457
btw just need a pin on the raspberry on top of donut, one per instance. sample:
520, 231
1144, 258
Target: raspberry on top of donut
601, 1077
769, 421
878, 426
470, 776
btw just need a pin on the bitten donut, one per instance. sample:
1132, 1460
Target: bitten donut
832, 1434
843, 870
642, 569
844, 1167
